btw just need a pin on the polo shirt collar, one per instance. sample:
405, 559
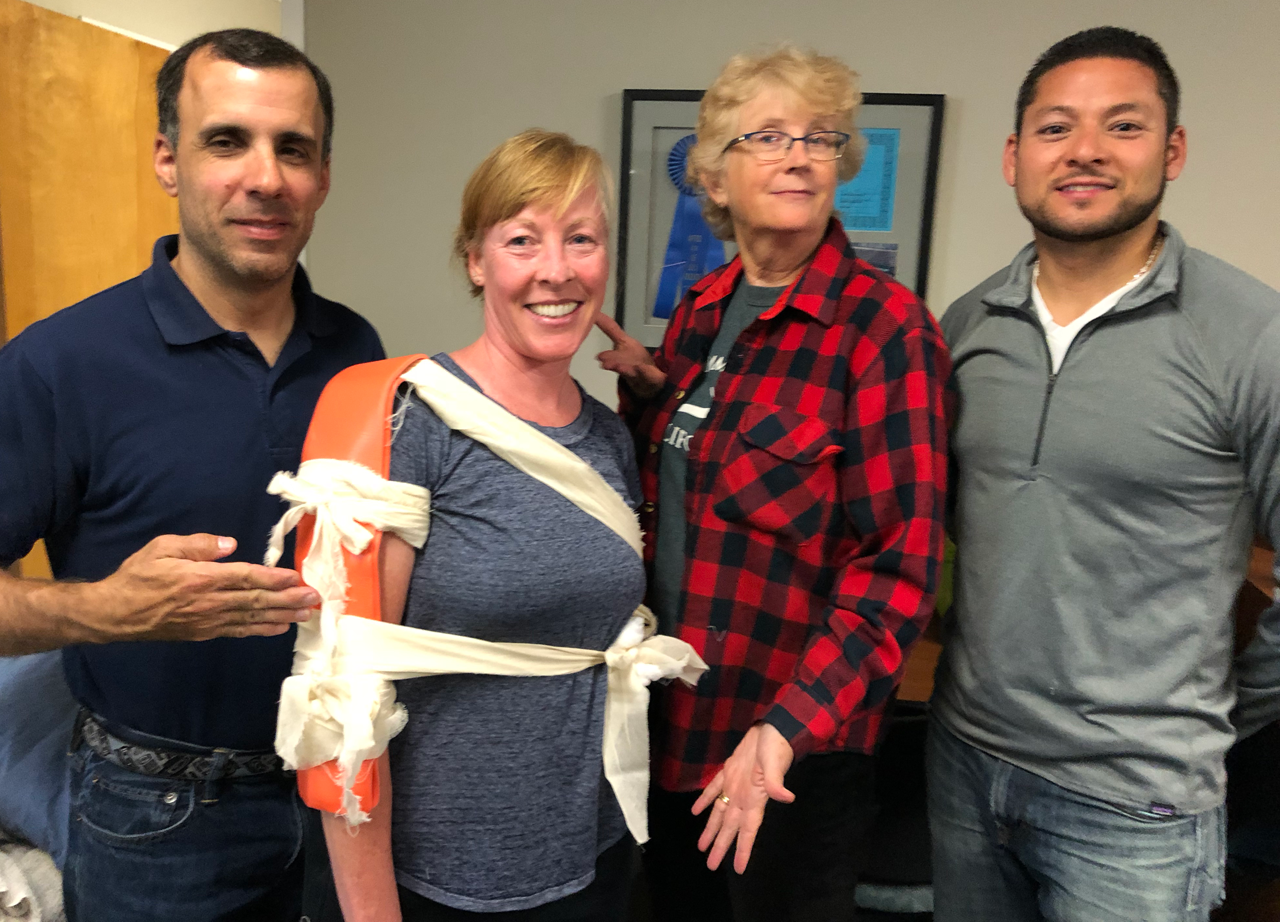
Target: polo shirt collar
183, 321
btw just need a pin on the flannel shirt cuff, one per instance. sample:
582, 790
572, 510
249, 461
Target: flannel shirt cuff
795, 732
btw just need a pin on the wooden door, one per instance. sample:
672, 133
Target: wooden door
79, 204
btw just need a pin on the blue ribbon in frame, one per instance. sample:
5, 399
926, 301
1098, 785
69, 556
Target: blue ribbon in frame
692, 250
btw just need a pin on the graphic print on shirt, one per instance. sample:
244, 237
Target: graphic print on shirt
747, 304
694, 410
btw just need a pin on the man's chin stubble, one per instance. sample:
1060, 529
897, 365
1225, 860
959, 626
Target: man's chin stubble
1125, 221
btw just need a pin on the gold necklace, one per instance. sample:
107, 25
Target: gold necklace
1146, 266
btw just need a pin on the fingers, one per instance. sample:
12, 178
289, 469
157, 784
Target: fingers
256, 576
653, 376
253, 630
747, 839
611, 360
713, 795
726, 825
175, 589
774, 756
777, 790
253, 587
191, 547
731, 820
710, 793
773, 771
287, 606
612, 329
715, 820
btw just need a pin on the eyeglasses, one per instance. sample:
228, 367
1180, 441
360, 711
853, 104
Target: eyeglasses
770, 146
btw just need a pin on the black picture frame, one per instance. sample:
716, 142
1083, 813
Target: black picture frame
918, 142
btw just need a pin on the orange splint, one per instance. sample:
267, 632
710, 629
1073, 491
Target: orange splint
352, 423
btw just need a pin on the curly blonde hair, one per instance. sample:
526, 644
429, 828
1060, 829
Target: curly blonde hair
536, 167
826, 84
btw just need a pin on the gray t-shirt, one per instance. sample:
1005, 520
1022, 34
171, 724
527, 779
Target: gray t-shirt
748, 303
500, 801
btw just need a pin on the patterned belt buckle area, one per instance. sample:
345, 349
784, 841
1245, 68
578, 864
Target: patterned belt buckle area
167, 763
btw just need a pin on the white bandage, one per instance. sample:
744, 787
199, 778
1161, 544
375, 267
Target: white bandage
340, 703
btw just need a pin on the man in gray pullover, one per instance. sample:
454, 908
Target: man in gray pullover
1115, 453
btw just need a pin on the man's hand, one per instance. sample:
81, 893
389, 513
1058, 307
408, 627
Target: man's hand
172, 589
750, 777
630, 359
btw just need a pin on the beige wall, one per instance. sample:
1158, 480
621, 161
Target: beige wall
172, 22
426, 89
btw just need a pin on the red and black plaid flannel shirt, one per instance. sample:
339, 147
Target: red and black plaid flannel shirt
815, 505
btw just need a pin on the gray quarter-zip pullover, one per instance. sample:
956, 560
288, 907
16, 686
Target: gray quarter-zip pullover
1103, 517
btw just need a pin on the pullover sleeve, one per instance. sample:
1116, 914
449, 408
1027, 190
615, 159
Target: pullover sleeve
1257, 417
893, 477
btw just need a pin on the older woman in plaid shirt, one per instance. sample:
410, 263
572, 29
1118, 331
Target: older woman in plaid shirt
791, 431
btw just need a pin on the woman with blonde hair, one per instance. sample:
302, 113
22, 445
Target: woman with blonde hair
791, 432
498, 806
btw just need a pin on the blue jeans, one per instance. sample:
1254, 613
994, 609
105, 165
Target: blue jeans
1010, 846
147, 848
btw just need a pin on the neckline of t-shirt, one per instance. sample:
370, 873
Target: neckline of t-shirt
760, 295
565, 435
1097, 310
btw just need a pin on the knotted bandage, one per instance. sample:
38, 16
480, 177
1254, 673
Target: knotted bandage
340, 704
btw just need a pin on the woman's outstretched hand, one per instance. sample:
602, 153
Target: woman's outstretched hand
738, 794
630, 359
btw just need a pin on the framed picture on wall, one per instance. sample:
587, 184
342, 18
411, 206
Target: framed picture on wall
887, 209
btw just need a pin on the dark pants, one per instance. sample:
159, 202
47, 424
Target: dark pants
145, 848
1253, 805
603, 900
804, 866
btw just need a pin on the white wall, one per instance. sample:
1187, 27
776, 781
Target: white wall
425, 89
172, 22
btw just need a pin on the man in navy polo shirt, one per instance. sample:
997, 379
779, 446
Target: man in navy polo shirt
138, 431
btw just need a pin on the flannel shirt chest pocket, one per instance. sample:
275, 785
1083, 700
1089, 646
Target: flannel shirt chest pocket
779, 473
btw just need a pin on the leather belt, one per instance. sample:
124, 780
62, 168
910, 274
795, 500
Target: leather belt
211, 765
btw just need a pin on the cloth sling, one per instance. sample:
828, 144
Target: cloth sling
340, 703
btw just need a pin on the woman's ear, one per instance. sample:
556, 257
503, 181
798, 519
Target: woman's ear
475, 268
713, 183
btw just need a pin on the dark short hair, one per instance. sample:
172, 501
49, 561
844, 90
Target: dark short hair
248, 48
1104, 42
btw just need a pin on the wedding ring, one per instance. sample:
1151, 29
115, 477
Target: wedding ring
724, 799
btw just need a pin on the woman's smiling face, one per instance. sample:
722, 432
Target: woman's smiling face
544, 276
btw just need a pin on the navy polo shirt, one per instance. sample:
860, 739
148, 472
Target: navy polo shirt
134, 414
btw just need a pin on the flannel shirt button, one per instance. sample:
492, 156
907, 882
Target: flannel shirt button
647, 507
680, 394
653, 447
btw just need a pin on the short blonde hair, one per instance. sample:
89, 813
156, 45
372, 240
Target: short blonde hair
535, 167
826, 84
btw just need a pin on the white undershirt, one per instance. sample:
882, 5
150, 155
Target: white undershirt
1059, 338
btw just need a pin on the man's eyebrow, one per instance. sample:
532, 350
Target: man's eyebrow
1121, 108
212, 131
239, 131
295, 137
1057, 110
1071, 111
